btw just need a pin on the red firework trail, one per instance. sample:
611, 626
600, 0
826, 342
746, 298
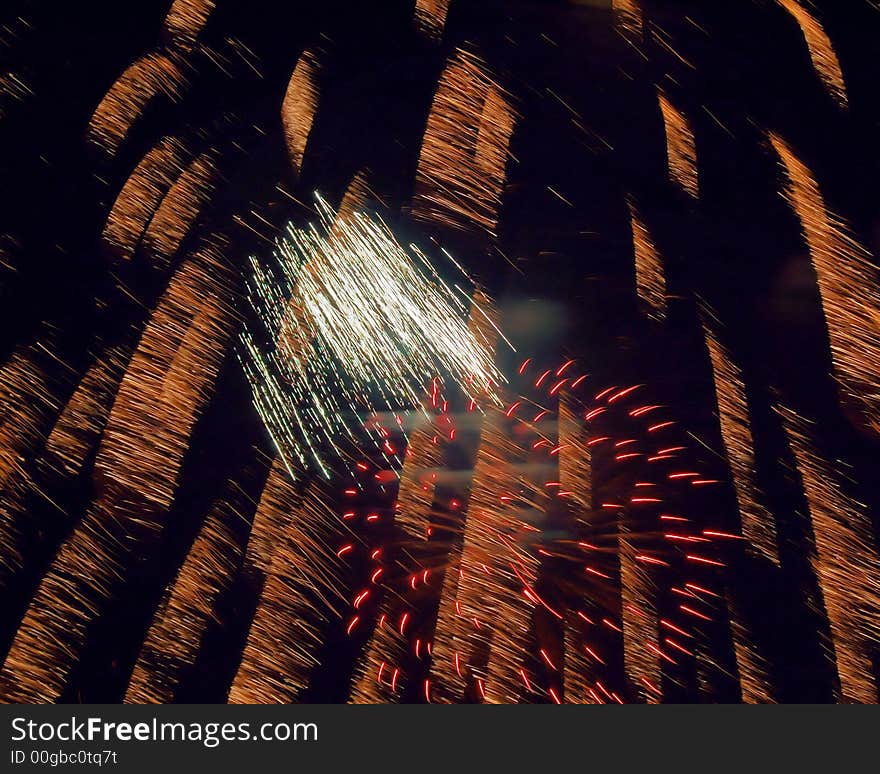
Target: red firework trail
551, 559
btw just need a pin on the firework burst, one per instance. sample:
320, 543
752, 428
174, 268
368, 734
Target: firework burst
422, 526
541, 570
362, 324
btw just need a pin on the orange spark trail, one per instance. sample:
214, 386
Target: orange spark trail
185, 20
279, 498
290, 546
575, 457
139, 86
29, 402
822, 54
681, 147
629, 16
758, 526
141, 195
578, 671
640, 624
354, 198
497, 123
489, 609
650, 277
68, 447
483, 322
753, 682
446, 670
179, 209
430, 16
461, 171
188, 605
79, 426
299, 107
845, 562
848, 286
166, 387
415, 492
14, 87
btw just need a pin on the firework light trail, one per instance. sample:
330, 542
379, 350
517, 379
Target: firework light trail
165, 388
299, 107
68, 446
681, 147
179, 208
185, 20
141, 195
821, 51
753, 669
378, 322
413, 527
650, 276
291, 550
845, 561
30, 401
190, 603
629, 17
430, 16
576, 457
848, 287
758, 526
140, 85
461, 172
500, 553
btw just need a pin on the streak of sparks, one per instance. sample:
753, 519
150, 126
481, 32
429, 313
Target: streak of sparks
150, 77
141, 195
846, 563
430, 16
629, 17
640, 625
299, 107
189, 605
754, 684
821, 50
848, 286
30, 399
461, 172
179, 208
681, 147
650, 275
374, 323
758, 525
185, 20
289, 547
164, 390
